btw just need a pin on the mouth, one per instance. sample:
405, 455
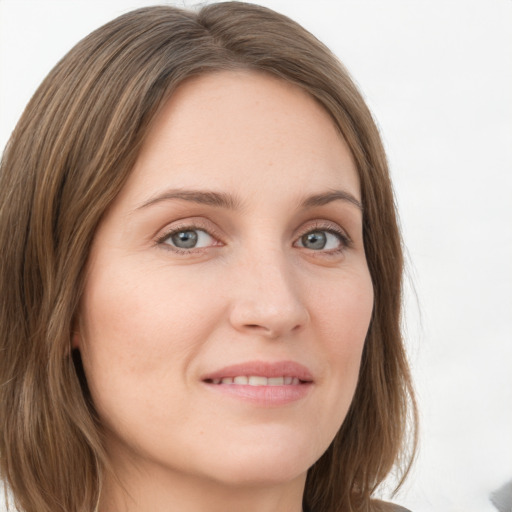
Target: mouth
257, 380
261, 383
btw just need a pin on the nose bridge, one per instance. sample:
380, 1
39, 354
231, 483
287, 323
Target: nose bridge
268, 298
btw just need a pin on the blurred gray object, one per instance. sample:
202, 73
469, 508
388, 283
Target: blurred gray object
502, 498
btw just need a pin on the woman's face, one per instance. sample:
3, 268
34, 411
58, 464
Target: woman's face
228, 297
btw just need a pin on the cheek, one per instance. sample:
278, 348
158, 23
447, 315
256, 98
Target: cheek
141, 308
140, 328
343, 310
343, 313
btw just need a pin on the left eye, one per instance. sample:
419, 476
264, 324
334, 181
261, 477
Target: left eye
320, 240
189, 239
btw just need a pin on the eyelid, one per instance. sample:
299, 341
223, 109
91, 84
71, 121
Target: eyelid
206, 226
330, 227
195, 224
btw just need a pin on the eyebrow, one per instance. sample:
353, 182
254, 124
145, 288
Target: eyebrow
329, 197
229, 202
217, 199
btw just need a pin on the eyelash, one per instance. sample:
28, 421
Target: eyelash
333, 229
161, 240
344, 239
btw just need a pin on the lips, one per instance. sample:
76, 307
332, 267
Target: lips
264, 370
262, 383
258, 380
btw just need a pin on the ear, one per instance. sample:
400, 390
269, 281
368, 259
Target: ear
76, 336
75, 340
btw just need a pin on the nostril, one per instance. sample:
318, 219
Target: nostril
262, 330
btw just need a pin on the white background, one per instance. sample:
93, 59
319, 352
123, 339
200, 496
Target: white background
438, 77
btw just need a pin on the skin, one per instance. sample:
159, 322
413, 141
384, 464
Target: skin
155, 319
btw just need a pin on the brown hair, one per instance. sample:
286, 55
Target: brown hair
66, 161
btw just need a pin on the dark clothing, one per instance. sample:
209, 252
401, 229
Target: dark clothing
394, 508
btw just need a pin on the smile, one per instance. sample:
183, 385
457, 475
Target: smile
262, 383
258, 380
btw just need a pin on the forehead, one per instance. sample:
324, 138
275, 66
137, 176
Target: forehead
238, 129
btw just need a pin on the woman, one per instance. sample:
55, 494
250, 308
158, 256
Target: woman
202, 276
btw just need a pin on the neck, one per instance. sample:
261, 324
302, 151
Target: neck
166, 491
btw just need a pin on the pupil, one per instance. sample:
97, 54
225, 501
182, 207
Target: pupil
315, 240
185, 239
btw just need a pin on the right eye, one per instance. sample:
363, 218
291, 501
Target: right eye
189, 238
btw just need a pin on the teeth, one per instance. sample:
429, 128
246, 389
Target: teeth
257, 380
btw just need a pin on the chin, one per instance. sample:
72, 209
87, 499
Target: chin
260, 475
269, 462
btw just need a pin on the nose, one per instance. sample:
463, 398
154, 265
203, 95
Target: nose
268, 301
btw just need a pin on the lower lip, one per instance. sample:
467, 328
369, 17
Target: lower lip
266, 396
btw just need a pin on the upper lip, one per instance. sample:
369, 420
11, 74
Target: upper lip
263, 369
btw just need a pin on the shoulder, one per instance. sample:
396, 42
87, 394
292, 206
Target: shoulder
384, 506
377, 506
